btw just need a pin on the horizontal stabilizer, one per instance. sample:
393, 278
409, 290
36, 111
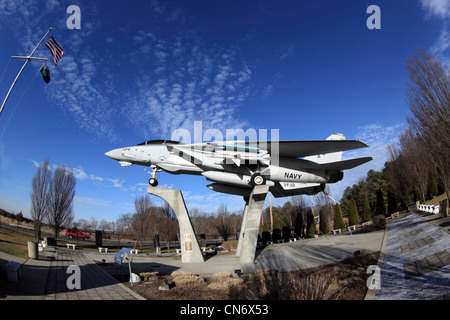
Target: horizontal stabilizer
343, 165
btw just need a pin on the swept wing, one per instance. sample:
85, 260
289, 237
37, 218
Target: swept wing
260, 150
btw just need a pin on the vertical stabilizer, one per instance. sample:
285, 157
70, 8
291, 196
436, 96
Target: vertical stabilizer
328, 157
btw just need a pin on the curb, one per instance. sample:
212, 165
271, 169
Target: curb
370, 294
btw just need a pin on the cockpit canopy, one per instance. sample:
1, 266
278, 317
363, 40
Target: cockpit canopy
150, 142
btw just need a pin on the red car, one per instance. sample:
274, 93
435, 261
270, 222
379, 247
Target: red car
74, 233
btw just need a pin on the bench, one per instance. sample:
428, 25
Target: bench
292, 239
337, 231
436, 209
70, 245
178, 251
134, 251
269, 243
280, 241
13, 271
395, 215
101, 248
203, 249
353, 227
367, 223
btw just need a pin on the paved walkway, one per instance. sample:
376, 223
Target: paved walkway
416, 259
45, 279
415, 256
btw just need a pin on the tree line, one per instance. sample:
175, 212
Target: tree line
418, 166
150, 221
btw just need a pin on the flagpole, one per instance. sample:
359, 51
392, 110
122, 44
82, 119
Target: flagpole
28, 58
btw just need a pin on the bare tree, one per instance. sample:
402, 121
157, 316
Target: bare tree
93, 223
397, 173
84, 225
62, 193
40, 196
416, 161
142, 219
169, 224
428, 97
236, 221
123, 224
105, 226
199, 221
223, 225
300, 209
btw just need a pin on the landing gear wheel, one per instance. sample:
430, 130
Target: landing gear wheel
153, 182
257, 180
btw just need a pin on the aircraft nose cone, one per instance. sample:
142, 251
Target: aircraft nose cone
113, 154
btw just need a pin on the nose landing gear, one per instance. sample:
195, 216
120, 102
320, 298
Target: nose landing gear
153, 181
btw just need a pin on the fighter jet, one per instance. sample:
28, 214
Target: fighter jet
235, 167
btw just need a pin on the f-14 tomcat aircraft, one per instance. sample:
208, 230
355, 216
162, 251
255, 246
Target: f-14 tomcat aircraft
235, 167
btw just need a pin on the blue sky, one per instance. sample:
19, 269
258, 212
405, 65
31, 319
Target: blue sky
138, 70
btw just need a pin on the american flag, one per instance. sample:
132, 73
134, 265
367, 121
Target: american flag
55, 49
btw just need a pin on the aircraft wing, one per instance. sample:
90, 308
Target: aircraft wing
304, 148
261, 149
285, 148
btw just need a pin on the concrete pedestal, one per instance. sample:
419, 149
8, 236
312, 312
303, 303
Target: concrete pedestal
242, 231
190, 250
250, 225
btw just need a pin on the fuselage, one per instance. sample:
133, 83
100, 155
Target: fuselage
289, 173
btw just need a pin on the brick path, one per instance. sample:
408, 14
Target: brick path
95, 283
46, 278
417, 261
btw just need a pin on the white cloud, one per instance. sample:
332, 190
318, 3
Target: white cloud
117, 183
87, 202
439, 8
378, 138
286, 51
176, 89
441, 48
74, 86
179, 79
78, 172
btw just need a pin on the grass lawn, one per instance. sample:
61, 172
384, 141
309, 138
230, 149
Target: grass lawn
14, 242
